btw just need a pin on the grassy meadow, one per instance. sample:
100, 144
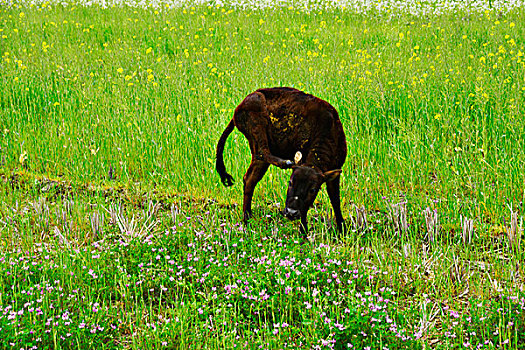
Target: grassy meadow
116, 233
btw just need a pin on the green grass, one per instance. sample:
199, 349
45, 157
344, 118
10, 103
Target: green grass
102, 109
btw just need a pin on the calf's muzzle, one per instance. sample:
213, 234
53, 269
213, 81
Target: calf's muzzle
291, 214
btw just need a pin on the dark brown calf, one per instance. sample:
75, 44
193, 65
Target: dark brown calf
280, 123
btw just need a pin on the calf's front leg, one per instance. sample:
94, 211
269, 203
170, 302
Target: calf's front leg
304, 226
333, 189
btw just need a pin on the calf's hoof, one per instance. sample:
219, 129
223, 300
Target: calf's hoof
287, 164
247, 216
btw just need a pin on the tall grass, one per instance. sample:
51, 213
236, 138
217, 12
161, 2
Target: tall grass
431, 107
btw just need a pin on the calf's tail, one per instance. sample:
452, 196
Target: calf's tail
226, 178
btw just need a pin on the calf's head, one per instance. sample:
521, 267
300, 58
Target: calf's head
303, 187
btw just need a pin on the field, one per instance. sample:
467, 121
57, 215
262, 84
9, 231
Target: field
115, 231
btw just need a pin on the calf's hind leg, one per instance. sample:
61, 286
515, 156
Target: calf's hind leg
253, 175
254, 125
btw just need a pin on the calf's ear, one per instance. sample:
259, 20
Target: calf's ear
331, 175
